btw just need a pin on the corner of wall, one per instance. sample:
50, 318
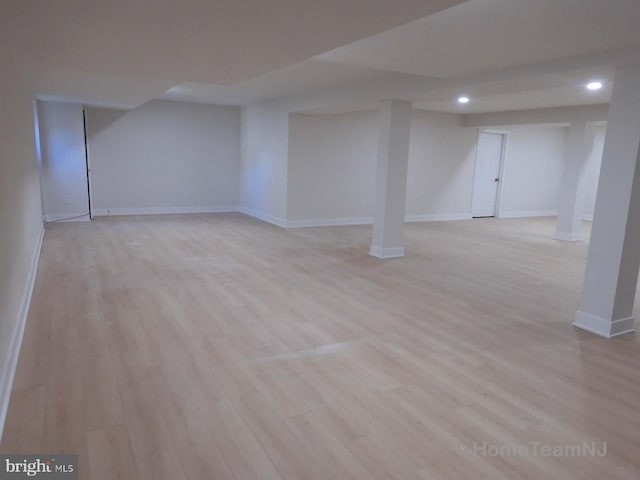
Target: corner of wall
10, 362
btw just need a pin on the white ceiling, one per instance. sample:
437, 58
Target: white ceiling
295, 79
535, 90
486, 35
500, 92
505, 54
208, 41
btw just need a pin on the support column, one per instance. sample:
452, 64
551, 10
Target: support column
573, 184
606, 307
391, 179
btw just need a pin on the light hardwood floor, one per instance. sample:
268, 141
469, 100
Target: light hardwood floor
221, 347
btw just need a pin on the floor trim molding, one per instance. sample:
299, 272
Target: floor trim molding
386, 252
329, 222
68, 217
528, 213
265, 217
103, 212
437, 217
603, 327
568, 237
11, 360
343, 221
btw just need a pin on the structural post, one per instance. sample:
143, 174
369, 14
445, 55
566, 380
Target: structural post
391, 179
611, 277
578, 148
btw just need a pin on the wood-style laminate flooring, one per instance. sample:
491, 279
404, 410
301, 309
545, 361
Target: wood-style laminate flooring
221, 347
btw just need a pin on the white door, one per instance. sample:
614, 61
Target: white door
487, 177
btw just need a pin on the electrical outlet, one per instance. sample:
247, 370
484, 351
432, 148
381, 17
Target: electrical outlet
67, 200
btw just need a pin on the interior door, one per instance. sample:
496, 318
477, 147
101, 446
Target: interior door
487, 176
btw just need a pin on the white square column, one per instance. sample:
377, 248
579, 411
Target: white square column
611, 277
573, 186
391, 179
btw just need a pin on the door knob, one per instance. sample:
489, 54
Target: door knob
497, 180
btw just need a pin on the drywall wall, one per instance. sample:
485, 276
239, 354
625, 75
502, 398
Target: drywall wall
20, 220
164, 157
265, 147
441, 167
332, 168
532, 170
64, 171
593, 171
332, 162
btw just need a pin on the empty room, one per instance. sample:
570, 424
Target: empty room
286, 240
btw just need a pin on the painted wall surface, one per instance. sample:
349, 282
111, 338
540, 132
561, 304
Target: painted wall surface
533, 170
332, 161
164, 157
64, 172
20, 210
265, 151
593, 175
441, 167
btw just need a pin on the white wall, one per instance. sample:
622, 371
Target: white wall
332, 160
533, 170
593, 175
331, 170
164, 157
20, 218
64, 172
265, 146
441, 167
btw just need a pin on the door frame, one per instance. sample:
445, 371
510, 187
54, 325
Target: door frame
501, 170
87, 158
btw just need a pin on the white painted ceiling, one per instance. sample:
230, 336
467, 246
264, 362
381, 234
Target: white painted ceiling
295, 79
486, 35
502, 91
207, 41
505, 54
534, 90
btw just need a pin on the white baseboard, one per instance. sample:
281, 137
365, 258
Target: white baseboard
386, 252
67, 217
329, 222
280, 222
102, 212
437, 217
528, 213
602, 326
11, 360
342, 221
568, 237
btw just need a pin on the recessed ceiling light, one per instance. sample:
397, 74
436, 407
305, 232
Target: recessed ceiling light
593, 86
463, 100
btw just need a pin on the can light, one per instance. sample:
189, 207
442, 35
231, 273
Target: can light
463, 100
593, 86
